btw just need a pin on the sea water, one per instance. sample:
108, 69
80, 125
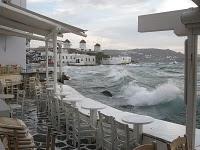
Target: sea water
154, 89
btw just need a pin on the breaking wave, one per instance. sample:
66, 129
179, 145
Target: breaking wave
141, 96
118, 73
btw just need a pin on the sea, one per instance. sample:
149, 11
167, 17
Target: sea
154, 89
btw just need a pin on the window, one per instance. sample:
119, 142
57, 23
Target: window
93, 59
89, 59
81, 59
66, 57
63, 57
85, 59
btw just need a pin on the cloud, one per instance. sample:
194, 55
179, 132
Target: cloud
112, 23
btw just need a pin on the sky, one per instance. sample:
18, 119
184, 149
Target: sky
112, 23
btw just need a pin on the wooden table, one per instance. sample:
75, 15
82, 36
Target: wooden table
137, 121
93, 107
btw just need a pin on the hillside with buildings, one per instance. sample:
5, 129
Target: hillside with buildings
148, 55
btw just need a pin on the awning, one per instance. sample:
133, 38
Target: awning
28, 21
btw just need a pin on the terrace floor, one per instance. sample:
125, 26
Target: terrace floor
36, 120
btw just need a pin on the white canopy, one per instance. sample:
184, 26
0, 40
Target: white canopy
28, 21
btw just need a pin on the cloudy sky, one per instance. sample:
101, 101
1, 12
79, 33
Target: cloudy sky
112, 23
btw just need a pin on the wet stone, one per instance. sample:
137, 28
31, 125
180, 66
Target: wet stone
61, 137
39, 138
91, 146
84, 141
70, 142
60, 144
67, 148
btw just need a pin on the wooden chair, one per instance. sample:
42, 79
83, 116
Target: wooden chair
179, 143
125, 139
32, 84
152, 146
107, 132
50, 140
1, 88
82, 128
19, 105
14, 134
68, 119
9, 86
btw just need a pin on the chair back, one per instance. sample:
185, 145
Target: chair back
179, 143
123, 135
152, 146
20, 96
9, 86
108, 131
1, 88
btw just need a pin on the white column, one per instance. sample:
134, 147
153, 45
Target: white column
190, 89
55, 58
47, 64
60, 60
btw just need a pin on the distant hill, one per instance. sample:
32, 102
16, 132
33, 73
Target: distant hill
148, 55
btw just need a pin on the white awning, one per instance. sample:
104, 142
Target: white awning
25, 20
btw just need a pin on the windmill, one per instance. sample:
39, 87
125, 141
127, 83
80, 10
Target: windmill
184, 22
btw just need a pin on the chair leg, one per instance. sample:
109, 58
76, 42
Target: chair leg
48, 138
53, 141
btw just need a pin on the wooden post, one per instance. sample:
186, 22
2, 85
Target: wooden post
190, 89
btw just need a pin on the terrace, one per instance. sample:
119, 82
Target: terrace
56, 116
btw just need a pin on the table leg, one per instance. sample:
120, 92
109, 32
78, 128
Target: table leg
138, 133
93, 117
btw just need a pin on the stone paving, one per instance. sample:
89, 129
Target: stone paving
37, 124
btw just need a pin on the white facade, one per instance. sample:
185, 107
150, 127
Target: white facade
78, 59
116, 60
13, 49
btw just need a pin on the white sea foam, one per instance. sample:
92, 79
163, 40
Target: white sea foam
118, 73
140, 96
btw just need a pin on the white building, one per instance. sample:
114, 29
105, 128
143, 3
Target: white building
97, 47
78, 59
83, 45
116, 60
13, 49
